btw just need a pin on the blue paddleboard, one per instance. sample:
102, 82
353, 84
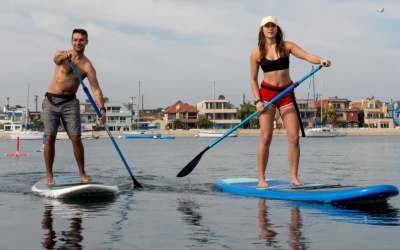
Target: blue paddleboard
72, 187
328, 193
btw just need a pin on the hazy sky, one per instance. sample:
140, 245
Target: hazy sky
178, 48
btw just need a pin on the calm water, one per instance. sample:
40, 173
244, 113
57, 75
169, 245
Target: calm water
189, 212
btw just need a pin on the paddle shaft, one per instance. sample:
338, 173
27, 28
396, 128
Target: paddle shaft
193, 163
289, 89
136, 184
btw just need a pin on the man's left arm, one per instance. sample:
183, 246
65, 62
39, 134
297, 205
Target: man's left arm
97, 93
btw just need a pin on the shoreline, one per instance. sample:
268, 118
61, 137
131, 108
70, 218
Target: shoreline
242, 132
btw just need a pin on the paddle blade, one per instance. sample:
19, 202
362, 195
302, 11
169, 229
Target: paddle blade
136, 184
191, 165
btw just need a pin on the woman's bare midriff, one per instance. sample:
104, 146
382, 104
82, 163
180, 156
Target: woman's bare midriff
277, 78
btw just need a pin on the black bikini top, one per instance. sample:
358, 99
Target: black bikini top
278, 64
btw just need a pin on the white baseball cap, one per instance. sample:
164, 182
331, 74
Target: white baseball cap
269, 19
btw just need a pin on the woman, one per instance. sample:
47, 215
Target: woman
272, 55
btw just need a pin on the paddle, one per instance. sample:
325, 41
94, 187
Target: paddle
136, 184
191, 165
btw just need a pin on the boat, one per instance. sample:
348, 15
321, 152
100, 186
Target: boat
17, 129
167, 137
140, 134
84, 135
215, 133
27, 135
321, 132
341, 133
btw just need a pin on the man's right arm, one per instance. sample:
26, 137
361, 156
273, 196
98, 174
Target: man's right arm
60, 56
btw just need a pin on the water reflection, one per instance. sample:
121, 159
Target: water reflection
76, 210
201, 234
296, 238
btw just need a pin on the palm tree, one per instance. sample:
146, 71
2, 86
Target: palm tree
329, 114
246, 110
221, 97
105, 99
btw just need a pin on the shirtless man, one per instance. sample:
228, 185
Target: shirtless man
61, 102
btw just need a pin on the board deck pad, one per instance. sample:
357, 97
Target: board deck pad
319, 192
72, 187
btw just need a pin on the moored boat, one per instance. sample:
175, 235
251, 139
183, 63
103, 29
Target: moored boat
216, 134
321, 132
140, 134
27, 135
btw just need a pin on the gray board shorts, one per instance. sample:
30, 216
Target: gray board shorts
64, 108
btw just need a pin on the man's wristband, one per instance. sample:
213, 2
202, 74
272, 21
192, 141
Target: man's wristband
103, 108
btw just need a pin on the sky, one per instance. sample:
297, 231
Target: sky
178, 49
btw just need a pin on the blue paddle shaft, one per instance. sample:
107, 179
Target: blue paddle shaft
289, 89
96, 109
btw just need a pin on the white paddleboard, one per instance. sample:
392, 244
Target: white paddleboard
71, 186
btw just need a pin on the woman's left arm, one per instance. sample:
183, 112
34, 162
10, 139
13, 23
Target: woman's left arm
299, 53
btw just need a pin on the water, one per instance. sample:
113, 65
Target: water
189, 212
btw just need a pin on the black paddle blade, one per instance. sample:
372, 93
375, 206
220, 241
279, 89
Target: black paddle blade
191, 165
136, 184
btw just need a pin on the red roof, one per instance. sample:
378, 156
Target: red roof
180, 107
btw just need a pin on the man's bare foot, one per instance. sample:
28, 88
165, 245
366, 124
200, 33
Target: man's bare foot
262, 184
50, 182
85, 179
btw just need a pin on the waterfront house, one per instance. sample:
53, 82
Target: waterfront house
375, 113
220, 113
346, 115
394, 112
119, 117
186, 113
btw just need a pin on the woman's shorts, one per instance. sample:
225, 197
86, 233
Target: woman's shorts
268, 92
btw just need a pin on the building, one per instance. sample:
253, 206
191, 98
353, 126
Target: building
346, 115
394, 112
308, 109
224, 115
375, 113
184, 112
119, 117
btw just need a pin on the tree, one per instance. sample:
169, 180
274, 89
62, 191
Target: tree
230, 105
204, 123
105, 99
329, 114
221, 97
246, 110
177, 123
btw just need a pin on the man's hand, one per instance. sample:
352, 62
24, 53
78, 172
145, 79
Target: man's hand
103, 117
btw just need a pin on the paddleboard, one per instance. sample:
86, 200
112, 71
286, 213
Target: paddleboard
71, 186
316, 192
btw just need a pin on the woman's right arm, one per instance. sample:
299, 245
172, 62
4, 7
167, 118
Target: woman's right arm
254, 65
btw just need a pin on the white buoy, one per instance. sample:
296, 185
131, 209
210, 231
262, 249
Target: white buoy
155, 137
195, 136
119, 137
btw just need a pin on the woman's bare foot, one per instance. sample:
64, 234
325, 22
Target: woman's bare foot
297, 183
85, 179
262, 184
50, 182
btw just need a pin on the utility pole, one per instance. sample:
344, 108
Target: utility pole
36, 101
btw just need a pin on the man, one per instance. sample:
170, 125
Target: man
61, 102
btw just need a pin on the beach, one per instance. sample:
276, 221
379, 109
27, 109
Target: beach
242, 132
